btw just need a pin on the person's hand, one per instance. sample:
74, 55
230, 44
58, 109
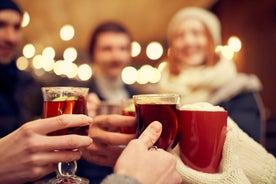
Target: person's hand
147, 165
28, 153
108, 142
230, 172
93, 102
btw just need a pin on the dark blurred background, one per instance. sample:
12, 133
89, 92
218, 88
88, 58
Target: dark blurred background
252, 21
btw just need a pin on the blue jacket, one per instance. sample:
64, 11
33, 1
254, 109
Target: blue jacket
20, 98
245, 111
241, 98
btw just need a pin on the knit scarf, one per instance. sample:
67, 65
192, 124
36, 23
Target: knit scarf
197, 84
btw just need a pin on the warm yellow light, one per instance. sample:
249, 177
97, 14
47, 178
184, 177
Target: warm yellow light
135, 49
129, 75
84, 72
72, 70
218, 49
58, 67
37, 61
227, 52
162, 65
47, 63
39, 72
234, 43
145, 74
67, 32
141, 79
154, 50
70, 54
49, 52
26, 19
22, 63
156, 75
62, 67
29, 50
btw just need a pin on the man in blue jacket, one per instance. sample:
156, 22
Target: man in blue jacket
110, 51
20, 95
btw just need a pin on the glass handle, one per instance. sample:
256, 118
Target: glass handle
67, 169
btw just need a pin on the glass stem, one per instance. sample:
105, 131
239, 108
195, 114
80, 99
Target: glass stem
67, 169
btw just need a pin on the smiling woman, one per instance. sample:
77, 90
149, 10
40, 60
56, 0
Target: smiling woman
198, 74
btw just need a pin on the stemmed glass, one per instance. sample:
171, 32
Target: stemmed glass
66, 100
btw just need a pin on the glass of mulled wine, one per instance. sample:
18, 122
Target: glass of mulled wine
128, 109
66, 100
162, 108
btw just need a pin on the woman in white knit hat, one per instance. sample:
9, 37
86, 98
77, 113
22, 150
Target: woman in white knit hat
198, 74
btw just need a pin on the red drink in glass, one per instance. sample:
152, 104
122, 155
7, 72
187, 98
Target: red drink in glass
162, 108
67, 106
165, 114
128, 130
128, 109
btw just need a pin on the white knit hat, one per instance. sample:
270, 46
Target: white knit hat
209, 19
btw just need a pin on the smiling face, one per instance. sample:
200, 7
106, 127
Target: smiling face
190, 43
112, 53
10, 34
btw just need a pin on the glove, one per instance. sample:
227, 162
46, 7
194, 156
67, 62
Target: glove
243, 161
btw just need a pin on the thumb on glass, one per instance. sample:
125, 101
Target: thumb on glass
151, 134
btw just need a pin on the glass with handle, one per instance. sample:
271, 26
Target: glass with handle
162, 108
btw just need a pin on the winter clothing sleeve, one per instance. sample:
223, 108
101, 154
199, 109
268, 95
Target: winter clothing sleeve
119, 179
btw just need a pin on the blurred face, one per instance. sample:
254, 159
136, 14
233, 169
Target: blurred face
112, 53
189, 44
10, 34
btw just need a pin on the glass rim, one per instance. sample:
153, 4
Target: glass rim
156, 95
64, 87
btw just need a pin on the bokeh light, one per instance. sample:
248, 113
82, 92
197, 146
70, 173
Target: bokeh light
39, 72
26, 19
162, 65
227, 52
37, 61
58, 67
135, 49
154, 50
70, 54
29, 50
145, 74
47, 63
72, 70
218, 49
48, 52
129, 75
234, 43
22, 63
156, 75
84, 72
67, 32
